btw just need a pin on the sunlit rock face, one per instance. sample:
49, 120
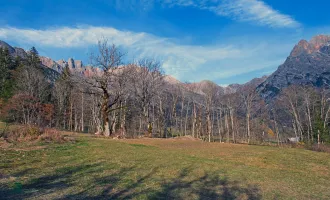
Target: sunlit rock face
315, 44
48, 62
75, 66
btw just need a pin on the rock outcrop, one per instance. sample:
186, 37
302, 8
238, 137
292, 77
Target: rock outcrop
73, 65
14, 51
48, 62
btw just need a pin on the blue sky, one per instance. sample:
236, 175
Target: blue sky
226, 41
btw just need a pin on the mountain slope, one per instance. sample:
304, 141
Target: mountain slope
308, 64
50, 73
14, 51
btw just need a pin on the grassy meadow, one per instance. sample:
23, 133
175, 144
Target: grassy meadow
100, 168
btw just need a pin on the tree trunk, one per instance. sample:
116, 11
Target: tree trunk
105, 130
208, 121
294, 128
71, 117
248, 126
75, 119
227, 125
113, 123
194, 120
219, 126
82, 112
299, 129
186, 120
231, 112
181, 120
123, 120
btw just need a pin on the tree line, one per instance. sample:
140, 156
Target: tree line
133, 99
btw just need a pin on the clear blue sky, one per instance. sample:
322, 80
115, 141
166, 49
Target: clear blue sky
226, 41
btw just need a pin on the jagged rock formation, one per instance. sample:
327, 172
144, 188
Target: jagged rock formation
308, 64
56, 67
73, 65
48, 62
63, 64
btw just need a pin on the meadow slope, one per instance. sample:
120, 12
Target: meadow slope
99, 168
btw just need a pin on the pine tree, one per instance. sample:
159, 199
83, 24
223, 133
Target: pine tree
33, 58
34, 51
6, 76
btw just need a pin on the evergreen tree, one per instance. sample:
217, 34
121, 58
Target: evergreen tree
6, 76
34, 51
5, 62
33, 58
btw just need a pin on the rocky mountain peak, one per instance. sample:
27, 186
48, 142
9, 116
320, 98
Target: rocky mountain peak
319, 41
314, 45
303, 47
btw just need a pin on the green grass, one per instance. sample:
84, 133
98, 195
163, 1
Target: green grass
98, 168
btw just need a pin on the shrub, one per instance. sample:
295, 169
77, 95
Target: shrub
22, 133
52, 135
32, 133
320, 148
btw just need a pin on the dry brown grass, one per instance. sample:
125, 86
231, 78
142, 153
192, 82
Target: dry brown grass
102, 168
29, 134
249, 155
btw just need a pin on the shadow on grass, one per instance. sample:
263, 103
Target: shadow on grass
61, 179
120, 185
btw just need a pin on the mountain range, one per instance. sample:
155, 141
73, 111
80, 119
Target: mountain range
307, 64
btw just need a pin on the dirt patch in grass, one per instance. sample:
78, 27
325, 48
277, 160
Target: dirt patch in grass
30, 148
27, 146
4, 144
188, 137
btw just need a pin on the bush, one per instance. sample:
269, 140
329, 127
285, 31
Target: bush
22, 133
320, 148
32, 133
52, 135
